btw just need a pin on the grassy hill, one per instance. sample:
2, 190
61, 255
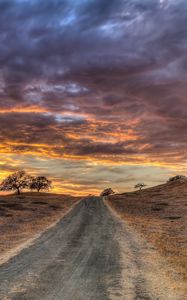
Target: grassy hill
160, 215
24, 216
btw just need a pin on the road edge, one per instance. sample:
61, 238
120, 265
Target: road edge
6, 257
155, 258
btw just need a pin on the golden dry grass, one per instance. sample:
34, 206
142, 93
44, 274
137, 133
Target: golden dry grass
26, 215
160, 215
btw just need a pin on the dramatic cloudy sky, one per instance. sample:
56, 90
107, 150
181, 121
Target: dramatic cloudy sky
93, 93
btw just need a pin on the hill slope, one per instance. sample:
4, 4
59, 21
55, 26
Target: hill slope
160, 215
24, 216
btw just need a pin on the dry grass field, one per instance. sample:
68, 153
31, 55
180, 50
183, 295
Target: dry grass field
160, 215
23, 217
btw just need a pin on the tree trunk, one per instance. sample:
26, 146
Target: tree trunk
18, 191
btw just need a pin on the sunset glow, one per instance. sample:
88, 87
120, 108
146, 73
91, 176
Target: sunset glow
93, 94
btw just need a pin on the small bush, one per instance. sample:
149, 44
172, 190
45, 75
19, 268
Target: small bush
140, 186
107, 192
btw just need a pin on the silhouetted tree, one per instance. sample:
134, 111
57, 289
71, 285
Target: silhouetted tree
107, 192
40, 183
139, 186
16, 182
177, 177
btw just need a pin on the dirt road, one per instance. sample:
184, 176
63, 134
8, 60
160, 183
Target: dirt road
89, 254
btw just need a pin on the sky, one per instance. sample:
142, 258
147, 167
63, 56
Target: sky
93, 93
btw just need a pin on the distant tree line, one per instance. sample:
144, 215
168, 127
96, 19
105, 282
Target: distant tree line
141, 185
21, 180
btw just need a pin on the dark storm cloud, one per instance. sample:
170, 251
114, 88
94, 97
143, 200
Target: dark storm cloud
47, 38
86, 147
35, 128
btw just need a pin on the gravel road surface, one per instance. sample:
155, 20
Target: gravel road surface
89, 254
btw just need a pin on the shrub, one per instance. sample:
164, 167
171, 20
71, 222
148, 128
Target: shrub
107, 192
177, 177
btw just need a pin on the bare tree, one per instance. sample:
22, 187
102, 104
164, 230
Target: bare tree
107, 192
139, 186
16, 182
40, 183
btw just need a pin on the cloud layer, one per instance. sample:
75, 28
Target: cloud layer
101, 82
